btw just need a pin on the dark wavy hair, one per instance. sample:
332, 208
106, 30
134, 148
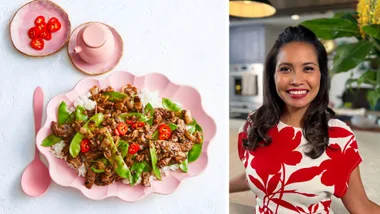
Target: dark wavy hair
316, 117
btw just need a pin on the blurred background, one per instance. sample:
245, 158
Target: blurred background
351, 36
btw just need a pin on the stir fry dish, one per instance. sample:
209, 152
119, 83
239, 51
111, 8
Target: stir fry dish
128, 136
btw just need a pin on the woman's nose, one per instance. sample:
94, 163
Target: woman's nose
296, 78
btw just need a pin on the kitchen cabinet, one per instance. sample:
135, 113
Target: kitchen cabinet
251, 43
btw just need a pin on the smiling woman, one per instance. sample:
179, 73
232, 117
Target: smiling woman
296, 155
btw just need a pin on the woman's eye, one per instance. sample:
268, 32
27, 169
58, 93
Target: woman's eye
309, 68
284, 69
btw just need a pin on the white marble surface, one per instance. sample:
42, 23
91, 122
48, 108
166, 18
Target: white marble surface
184, 39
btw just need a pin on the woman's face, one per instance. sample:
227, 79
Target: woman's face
297, 76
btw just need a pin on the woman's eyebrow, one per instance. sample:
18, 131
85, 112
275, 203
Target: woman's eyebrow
286, 63
308, 63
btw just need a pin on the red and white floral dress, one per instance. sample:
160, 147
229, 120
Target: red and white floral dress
285, 180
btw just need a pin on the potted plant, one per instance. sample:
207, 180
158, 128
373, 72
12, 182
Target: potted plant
364, 25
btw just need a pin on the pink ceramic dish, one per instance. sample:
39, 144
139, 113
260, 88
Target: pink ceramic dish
23, 20
189, 98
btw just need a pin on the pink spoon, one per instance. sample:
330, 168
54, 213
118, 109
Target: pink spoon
36, 179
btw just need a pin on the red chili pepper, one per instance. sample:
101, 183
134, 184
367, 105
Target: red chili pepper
133, 148
117, 132
164, 129
164, 136
85, 145
122, 128
134, 126
130, 122
140, 124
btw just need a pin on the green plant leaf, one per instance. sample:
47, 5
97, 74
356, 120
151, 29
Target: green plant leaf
372, 97
348, 56
332, 28
351, 16
368, 77
372, 30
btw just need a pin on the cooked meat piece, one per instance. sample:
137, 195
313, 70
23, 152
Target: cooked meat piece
83, 130
190, 136
90, 178
145, 180
129, 104
107, 116
173, 118
74, 162
180, 156
181, 126
139, 158
109, 89
142, 138
134, 134
198, 137
128, 161
187, 146
164, 162
105, 144
92, 156
94, 90
157, 117
63, 130
187, 116
138, 104
119, 105
99, 109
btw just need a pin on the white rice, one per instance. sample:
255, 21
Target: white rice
82, 170
151, 97
165, 170
85, 102
57, 149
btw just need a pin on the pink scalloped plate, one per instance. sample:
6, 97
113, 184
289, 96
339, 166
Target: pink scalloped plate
187, 96
23, 20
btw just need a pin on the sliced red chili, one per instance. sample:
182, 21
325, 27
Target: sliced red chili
130, 122
163, 136
164, 129
117, 132
85, 145
122, 128
140, 124
134, 126
133, 148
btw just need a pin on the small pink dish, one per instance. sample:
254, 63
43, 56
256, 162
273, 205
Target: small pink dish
23, 20
95, 48
187, 96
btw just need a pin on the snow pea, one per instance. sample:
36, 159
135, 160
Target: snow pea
168, 104
117, 161
150, 110
184, 166
79, 115
122, 147
155, 135
115, 96
138, 168
195, 152
141, 117
63, 113
153, 157
172, 126
192, 126
51, 140
96, 170
75, 142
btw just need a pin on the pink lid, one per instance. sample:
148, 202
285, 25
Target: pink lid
94, 35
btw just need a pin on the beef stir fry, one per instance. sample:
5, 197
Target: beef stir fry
112, 136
